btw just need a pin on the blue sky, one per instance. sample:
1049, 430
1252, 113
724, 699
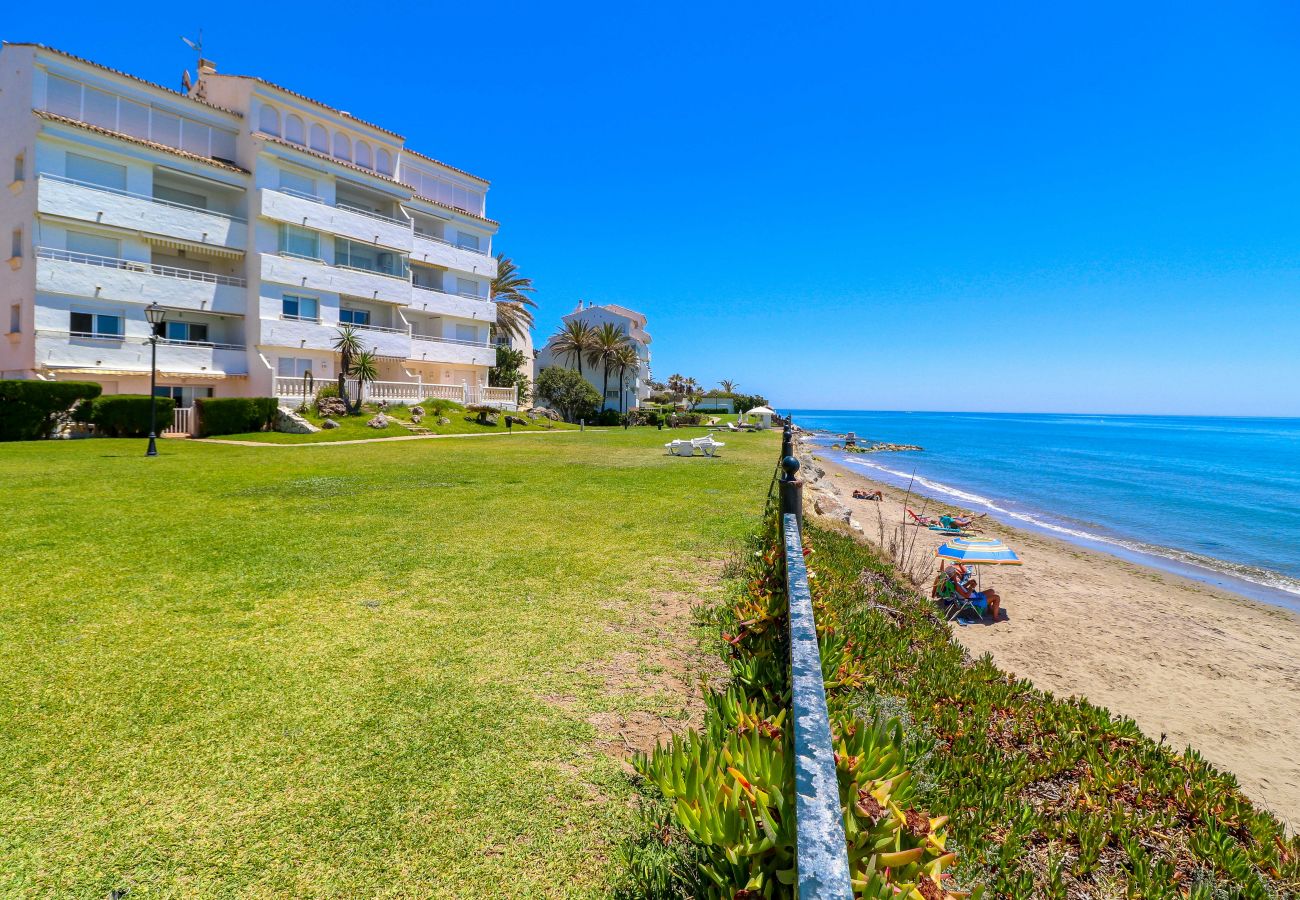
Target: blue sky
859, 205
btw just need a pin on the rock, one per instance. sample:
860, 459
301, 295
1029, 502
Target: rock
416, 417
443, 420
379, 421
826, 505
290, 422
331, 406
383, 405
489, 420
543, 412
328, 424
417, 410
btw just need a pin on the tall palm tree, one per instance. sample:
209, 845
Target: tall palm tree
728, 386
574, 341
510, 290
609, 340
365, 369
347, 346
625, 360
676, 385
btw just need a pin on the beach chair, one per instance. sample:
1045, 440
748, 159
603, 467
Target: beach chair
921, 520
680, 448
707, 444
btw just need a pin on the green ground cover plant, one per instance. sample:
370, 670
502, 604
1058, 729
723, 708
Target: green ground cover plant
356, 672
125, 415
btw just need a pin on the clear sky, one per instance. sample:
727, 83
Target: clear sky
860, 205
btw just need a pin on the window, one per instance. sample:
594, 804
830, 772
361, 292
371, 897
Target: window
467, 333
297, 183
99, 108
320, 138
354, 317
294, 306
466, 241
268, 120
183, 395
186, 331
15, 318
363, 256
95, 171
343, 147
293, 130
20, 167
363, 154
467, 287
291, 367
84, 324
16, 244
384, 162
295, 241
63, 97
176, 195
93, 244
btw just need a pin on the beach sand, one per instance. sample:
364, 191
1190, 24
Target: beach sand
1183, 659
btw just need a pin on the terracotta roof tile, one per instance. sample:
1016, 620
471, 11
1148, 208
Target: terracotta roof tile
131, 139
325, 106
105, 68
445, 165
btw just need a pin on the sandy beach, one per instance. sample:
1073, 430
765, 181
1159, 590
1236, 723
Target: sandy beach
1183, 659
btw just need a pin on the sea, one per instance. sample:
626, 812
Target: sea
1214, 499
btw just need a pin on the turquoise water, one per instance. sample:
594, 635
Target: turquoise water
1217, 499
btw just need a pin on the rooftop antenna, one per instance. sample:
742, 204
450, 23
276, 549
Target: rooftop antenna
197, 47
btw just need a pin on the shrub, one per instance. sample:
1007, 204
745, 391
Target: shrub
125, 415
234, 415
609, 417
30, 409
328, 389
437, 407
568, 392
712, 411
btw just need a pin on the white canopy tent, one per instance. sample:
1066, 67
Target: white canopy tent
759, 415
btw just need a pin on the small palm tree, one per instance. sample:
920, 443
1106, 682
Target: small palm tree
728, 386
625, 360
574, 341
609, 340
365, 369
347, 346
510, 290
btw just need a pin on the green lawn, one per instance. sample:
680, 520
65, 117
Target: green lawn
354, 428
335, 671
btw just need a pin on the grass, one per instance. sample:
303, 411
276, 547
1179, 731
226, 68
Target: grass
238, 672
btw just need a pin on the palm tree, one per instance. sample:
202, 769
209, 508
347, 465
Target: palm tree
728, 386
676, 385
348, 346
608, 341
365, 369
574, 341
510, 290
625, 360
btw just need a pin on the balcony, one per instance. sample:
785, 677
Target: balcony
312, 212
437, 252
64, 349
321, 276
105, 277
465, 353
395, 342
310, 334
83, 201
433, 302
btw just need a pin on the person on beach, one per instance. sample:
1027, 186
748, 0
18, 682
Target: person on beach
867, 495
959, 577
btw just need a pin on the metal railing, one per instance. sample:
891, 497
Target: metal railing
444, 340
121, 192
133, 265
362, 211
444, 241
820, 844
109, 337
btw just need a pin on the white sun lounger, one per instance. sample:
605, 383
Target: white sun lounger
708, 444
680, 448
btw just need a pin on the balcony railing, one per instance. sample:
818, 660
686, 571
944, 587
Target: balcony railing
135, 339
446, 340
383, 328
132, 265
362, 211
137, 196
438, 240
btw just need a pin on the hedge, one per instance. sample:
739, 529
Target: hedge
30, 409
234, 415
124, 415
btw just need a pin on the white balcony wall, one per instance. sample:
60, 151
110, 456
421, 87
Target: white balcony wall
318, 276
58, 349
61, 276
104, 207
298, 335
437, 253
323, 217
433, 350
386, 343
437, 302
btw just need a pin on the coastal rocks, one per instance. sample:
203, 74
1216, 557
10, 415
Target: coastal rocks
379, 421
290, 422
824, 504
882, 447
331, 406
329, 424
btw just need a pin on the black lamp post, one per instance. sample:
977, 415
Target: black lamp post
155, 314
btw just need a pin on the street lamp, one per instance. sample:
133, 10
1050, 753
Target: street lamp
155, 314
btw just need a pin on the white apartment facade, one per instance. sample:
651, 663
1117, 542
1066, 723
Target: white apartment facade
261, 220
636, 385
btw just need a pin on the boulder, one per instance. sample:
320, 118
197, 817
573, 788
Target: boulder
331, 406
543, 412
416, 417
328, 424
417, 411
826, 505
443, 420
379, 421
488, 419
290, 422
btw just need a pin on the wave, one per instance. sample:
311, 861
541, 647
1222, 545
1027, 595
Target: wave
1253, 574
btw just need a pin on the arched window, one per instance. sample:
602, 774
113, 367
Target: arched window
320, 138
363, 154
384, 161
342, 146
293, 130
268, 120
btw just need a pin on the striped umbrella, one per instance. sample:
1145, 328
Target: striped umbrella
978, 552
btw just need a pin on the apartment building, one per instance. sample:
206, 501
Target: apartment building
636, 386
261, 221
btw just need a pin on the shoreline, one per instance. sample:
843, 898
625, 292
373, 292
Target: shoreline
1186, 659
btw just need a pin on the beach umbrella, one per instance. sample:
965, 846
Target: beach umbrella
974, 552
